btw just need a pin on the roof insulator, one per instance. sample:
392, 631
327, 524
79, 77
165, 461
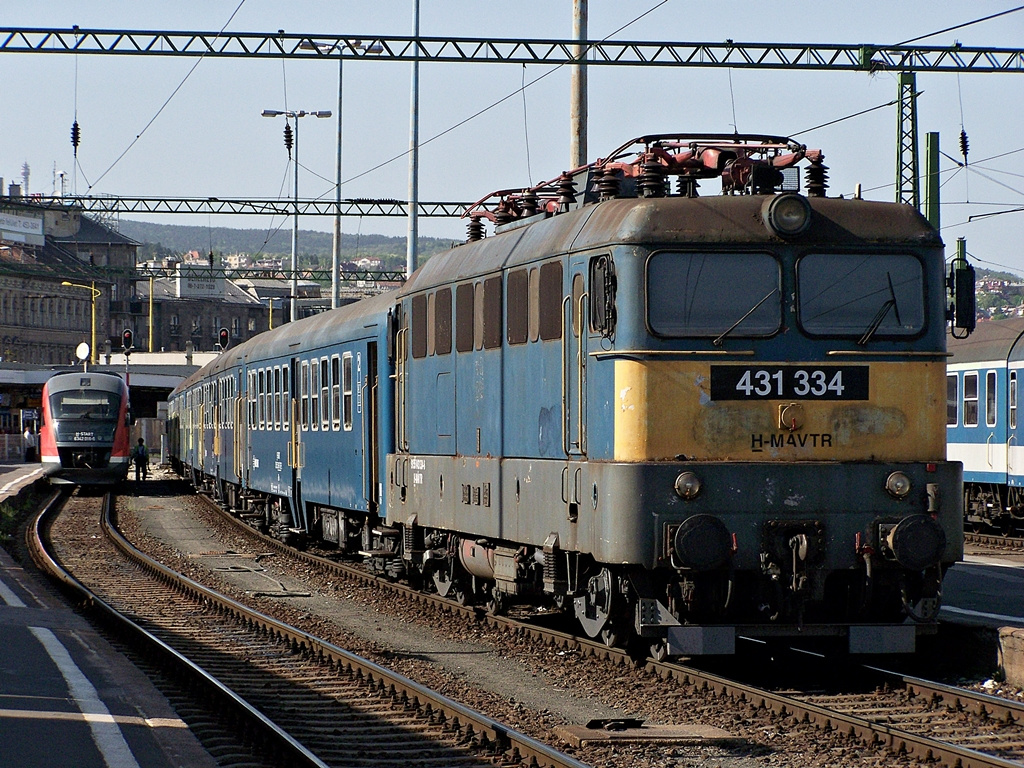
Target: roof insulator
475, 229
816, 177
529, 202
652, 179
606, 182
566, 191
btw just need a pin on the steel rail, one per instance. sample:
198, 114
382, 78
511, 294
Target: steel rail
278, 744
491, 731
548, 51
867, 731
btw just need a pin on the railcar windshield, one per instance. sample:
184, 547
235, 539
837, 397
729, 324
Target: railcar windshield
84, 404
713, 294
861, 295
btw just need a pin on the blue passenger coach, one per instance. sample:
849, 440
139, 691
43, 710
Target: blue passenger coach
983, 427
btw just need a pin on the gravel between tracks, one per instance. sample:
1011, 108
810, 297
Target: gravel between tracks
529, 686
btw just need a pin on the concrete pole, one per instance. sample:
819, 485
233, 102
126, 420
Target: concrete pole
578, 104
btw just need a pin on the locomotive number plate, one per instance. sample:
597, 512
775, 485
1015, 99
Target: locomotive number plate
822, 382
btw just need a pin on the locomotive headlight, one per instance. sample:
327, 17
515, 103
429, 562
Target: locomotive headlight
786, 215
687, 485
897, 485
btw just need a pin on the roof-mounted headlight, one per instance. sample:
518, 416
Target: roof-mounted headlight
786, 215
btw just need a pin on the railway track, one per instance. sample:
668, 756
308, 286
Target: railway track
931, 722
995, 541
302, 701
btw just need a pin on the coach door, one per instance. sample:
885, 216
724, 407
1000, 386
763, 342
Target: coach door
574, 362
371, 431
240, 423
296, 448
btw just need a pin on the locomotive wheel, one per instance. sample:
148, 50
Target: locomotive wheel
597, 607
449, 584
497, 602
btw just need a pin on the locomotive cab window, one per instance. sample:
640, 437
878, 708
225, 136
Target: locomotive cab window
861, 295
970, 399
698, 294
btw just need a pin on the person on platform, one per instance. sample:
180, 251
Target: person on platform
31, 444
140, 457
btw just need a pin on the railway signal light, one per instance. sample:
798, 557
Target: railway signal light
224, 339
126, 339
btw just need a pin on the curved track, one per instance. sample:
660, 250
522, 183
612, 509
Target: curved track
304, 701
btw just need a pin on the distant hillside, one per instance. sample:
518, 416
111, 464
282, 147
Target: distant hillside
161, 240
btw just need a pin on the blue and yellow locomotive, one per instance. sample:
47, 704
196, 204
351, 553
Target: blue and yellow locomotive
681, 418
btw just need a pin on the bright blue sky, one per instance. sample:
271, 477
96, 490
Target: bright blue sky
211, 141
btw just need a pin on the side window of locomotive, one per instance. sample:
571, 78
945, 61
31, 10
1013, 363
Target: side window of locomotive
990, 399
419, 326
325, 390
346, 389
443, 321
517, 307
860, 295
314, 394
464, 317
304, 394
602, 295
534, 303
698, 294
492, 312
549, 301
1012, 399
970, 399
336, 391
952, 400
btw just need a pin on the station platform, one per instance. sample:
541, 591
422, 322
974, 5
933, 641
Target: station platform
67, 698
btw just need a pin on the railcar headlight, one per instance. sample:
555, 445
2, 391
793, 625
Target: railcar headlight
687, 485
897, 485
786, 215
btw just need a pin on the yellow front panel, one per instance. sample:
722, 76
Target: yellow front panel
664, 410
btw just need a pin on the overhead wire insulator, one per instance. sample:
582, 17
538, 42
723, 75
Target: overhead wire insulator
288, 138
76, 136
964, 144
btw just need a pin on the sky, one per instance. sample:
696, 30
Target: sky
201, 134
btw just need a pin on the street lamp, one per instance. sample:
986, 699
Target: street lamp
328, 48
96, 293
288, 114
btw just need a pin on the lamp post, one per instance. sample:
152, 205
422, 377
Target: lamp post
96, 293
288, 114
328, 48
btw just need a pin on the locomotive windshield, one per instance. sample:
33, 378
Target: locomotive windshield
702, 294
84, 404
861, 295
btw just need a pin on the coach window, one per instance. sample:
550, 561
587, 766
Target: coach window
277, 397
464, 317
304, 394
1012, 399
261, 388
286, 401
550, 301
251, 397
517, 309
952, 400
314, 395
346, 380
990, 399
325, 394
970, 399
443, 322
419, 326
336, 392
